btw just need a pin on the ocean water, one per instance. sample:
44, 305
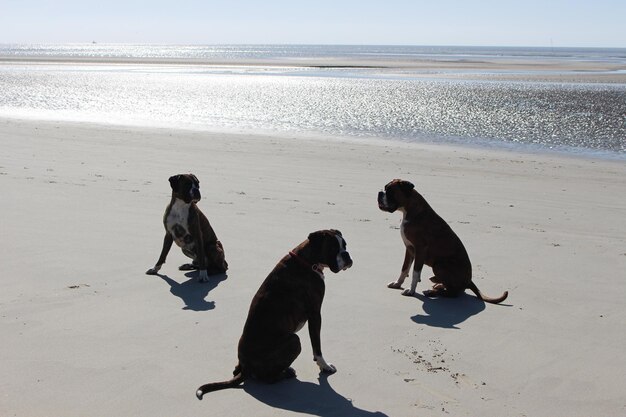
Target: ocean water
582, 118
228, 52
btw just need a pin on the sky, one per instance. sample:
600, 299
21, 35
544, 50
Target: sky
557, 23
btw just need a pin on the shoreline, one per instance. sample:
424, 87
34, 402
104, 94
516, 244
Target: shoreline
486, 145
82, 323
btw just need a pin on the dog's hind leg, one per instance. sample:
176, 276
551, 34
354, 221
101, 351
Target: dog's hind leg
448, 280
439, 290
194, 261
443, 285
216, 260
276, 365
188, 267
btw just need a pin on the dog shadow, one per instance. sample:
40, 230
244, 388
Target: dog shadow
306, 398
193, 292
448, 312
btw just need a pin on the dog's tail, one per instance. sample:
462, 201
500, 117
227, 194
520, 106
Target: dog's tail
486, 299
216, 386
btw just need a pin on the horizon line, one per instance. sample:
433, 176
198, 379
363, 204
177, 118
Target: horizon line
95, 42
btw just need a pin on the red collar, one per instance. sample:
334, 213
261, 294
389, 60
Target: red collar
306, 263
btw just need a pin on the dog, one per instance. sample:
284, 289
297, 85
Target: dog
290, 296
429, 240
186, 225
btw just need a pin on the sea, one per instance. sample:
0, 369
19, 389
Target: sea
363, 92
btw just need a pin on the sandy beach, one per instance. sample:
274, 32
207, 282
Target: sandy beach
86, 333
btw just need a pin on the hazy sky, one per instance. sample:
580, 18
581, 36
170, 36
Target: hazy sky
417, 22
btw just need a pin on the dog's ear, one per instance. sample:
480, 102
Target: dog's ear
316, 239
315, 236
174, 181
406, 186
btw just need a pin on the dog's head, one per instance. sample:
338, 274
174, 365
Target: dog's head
186, 187
329, 249
395, 195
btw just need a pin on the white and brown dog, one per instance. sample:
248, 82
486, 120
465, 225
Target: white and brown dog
290, 296
186, 225
429, 240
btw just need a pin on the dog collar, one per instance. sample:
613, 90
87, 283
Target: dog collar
315, 267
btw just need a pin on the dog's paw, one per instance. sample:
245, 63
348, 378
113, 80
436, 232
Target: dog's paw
329, 369
395, 285
289, 373
408, 292
203, 276
153, 271
187, 267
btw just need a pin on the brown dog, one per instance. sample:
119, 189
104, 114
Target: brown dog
429, 240
186, 225
290, 296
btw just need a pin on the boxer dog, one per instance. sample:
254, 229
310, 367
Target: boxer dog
429, 240
290, 296
186, 225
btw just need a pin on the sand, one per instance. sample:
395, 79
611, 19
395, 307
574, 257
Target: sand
86, 333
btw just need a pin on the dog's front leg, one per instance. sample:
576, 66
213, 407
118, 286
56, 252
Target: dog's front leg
417, 272
201, 256
167, 245
409, 256
203, 276
315, 327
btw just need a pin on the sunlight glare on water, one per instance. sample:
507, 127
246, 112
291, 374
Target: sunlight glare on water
586, 116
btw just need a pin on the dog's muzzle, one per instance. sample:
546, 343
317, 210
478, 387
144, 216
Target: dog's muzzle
386, 202
383, 204
194, 194
346, 260
343, 261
